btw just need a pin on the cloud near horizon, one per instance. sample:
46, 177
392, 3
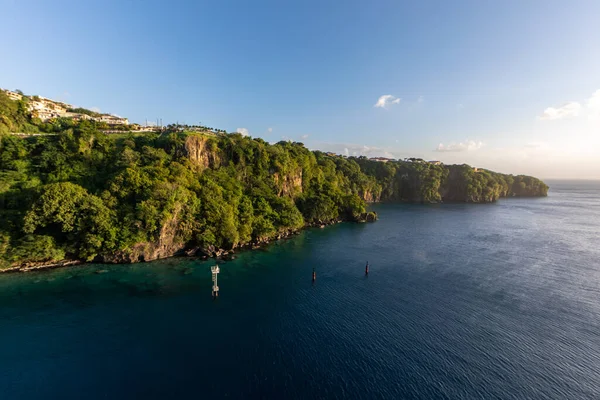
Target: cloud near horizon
591, 107
386, 100
469, 145
243, 131
593, 103
567, 110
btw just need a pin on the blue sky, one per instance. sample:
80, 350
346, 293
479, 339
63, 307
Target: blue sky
505, 85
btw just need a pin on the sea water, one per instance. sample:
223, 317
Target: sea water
462, 301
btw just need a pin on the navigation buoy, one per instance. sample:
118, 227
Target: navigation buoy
215, 289
314, 276
367, 269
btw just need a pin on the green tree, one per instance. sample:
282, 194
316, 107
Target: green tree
82, 219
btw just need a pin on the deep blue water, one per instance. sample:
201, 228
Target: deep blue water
462, 301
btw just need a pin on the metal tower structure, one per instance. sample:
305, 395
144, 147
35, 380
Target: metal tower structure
215, 289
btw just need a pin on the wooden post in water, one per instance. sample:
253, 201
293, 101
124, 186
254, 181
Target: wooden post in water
314, 276
367, 269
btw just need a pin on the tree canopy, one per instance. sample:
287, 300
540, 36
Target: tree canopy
82, 194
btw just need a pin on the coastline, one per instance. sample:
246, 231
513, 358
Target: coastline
194, 252
42, 265
216, 253
211, 252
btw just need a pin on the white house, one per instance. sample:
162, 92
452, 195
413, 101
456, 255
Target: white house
113, 120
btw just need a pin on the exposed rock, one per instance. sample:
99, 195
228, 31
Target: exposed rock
369, 196
192, 252
370, 216
167, 245
289, 184
195, 148
32, 266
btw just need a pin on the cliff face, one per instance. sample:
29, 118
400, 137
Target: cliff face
167, 244
289, 184
470, 185
197, 149
458, 187
369, 196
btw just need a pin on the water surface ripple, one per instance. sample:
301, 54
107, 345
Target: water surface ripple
462, 301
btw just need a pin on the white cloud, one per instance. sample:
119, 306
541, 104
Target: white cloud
591, 108
386, 100
95, 109
420, 99
304, 136
243, 131
570, 109
593, 103
460, 106
270, 130
469, 145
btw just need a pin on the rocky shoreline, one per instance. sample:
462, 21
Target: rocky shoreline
194, 252
36, 266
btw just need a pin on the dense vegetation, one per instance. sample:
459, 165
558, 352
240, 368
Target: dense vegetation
14, 116
416, 180
82, 194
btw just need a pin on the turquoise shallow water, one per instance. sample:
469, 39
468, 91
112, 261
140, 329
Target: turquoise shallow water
463, 301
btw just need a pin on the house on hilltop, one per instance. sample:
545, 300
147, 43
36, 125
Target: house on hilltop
381, 159
77, 116
13, 95
112, 119
45, 109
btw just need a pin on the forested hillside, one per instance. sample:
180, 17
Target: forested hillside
81, 194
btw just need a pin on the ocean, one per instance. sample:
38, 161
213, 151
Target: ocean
462, 301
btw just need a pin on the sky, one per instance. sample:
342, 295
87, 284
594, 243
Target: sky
512, 86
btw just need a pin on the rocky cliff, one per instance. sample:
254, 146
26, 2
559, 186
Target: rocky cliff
168, 244
288, 184
370, 196
201, 150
